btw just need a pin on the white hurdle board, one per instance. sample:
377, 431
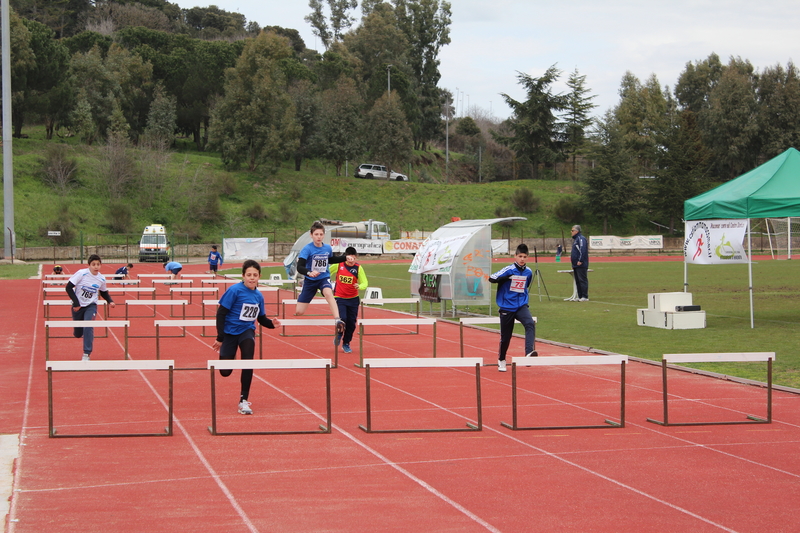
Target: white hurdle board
269, 364
48, 324
443, 362
114, 366
407, 321
735, 357
567, 360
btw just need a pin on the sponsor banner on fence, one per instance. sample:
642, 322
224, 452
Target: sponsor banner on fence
362, 246
715, 242
256, 248
402, 246
637, 242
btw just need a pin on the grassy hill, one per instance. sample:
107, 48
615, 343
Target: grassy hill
193, 194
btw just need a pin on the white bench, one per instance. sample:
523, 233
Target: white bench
48, 324
114, 366
568, 360
444, 362
740, 357
269, 364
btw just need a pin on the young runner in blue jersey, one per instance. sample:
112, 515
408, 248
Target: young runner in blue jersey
313, 262
239, 309
214, 260
513, 282
83, 288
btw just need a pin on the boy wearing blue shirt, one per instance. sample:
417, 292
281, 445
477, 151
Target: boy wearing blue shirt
513, 282
214, 260
174, 268
313, 262
239, 309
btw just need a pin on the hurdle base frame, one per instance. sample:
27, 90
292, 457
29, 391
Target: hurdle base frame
608, 423
323, 428
53, 432
750, 419
478, 426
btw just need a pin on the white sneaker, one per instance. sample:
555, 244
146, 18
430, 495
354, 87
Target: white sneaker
85, 357
583, 299
244, 408
501, 366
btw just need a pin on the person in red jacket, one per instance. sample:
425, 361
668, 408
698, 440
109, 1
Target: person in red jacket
350, 279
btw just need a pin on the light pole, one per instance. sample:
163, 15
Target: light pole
389, 80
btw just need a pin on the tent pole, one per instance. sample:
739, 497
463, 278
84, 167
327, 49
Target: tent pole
789, 237
685, 275
769, 237
750, 270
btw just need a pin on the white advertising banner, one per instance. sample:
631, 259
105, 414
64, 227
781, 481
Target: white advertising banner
715, 242
499, 246
362, 246
637, 242
437, 255
240, 249
402, 246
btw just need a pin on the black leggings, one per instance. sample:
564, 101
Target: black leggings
246, 342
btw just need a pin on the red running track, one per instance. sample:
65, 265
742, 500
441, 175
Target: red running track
640, 478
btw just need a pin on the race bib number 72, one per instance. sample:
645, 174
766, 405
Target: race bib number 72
518, 283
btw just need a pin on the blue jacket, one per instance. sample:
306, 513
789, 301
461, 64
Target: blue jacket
512, 294
580, 251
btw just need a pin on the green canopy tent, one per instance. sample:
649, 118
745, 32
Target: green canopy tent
771, 190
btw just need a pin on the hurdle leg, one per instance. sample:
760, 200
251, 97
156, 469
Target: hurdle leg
664, 396
158, 343
51, 431
213, 428
461, 337
360, 363
513, 424
328, 399
434, 339
171, 397
127, 355
479, 426
621, 422
368, 429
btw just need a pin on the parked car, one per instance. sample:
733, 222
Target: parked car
369, 171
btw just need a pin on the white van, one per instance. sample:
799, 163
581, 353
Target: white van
154, 245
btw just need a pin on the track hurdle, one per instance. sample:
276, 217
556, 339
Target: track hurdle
444, 362
305, 322
269, 364
469, 321
392, 322
193, 290
47, 304
769, 357
135, 290
315, 301
382, 301
82, 324
621, 360
93, 366
154, 303
183, 324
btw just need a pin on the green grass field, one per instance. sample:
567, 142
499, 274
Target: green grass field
608, 321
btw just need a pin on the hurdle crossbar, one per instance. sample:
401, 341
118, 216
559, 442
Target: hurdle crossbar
94, 366
183, 324
269, 364
82, 324
409, 321
135, 290
381, 301
472, 321
443, 362
192, 291
154, 303
568, 360
306, 322
47, 304
667, 358
315, 301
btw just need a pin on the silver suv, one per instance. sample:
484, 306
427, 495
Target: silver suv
369, 172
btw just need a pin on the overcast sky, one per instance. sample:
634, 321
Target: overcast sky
494, 39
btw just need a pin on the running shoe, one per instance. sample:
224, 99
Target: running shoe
346, 348
244, 408
532, 354
339, 332
501, 366
85, 357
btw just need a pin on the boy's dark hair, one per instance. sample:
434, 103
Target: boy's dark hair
315, 226
93, 257
213, 246
350, 251
250, 263
130, 265
522, 249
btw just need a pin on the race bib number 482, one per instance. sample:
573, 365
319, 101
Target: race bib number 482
518, 283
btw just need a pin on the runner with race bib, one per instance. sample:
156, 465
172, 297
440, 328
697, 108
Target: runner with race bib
83, 288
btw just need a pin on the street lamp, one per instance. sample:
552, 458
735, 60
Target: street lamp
389, 79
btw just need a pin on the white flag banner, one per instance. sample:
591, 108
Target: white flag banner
715, 242
437, 254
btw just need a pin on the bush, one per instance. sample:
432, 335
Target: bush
256, 212
568, 210
524, 200
225, 184
58, 170
120, 218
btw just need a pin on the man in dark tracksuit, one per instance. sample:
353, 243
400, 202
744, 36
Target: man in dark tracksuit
580, 263
513, 282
